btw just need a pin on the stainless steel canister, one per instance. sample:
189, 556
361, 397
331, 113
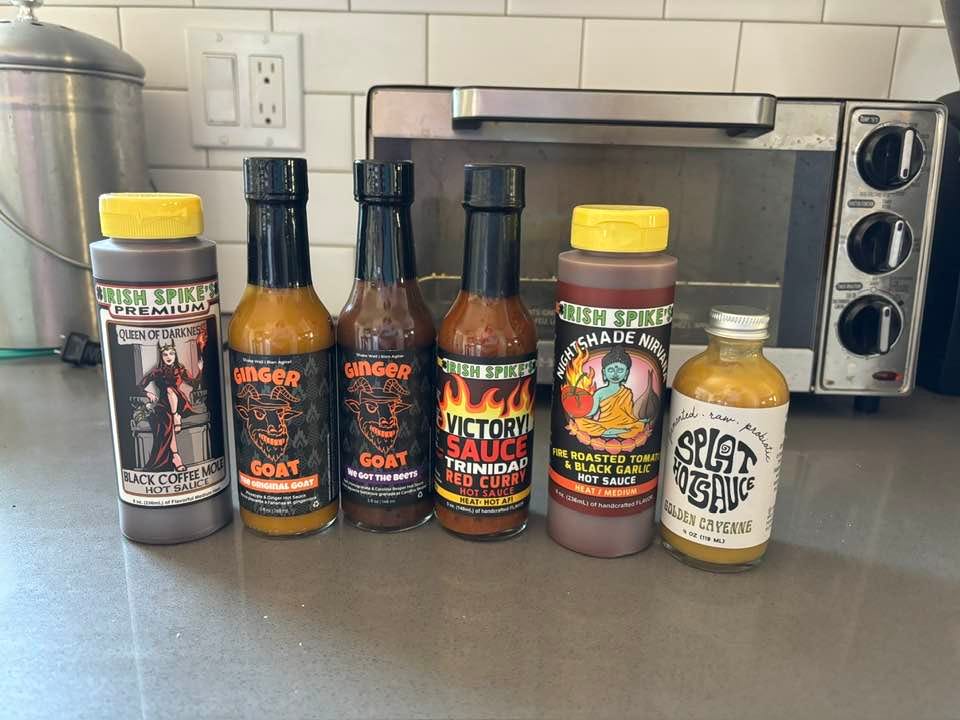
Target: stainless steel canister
71, 128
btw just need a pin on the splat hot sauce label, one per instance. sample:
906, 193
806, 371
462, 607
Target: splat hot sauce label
484, 433
610, 368
385, 414
282, 424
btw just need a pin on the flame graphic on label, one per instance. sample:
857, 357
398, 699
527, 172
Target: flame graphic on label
490, 406
575, 375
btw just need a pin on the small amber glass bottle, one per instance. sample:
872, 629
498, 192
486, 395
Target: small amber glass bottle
728, 414
281, 357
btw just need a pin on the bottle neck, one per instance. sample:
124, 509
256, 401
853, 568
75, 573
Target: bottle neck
385, 252
721, 349
491, 258
278, 253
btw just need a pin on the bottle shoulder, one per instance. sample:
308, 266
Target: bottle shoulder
488, 327
753, 383
280, 322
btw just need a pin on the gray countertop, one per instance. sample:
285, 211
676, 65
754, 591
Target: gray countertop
855, 614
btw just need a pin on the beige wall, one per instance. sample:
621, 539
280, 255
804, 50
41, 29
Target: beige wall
877, 48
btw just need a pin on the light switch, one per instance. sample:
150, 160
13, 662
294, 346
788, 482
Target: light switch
245, 89
220, 89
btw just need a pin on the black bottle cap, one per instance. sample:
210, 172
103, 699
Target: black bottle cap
493, 186
377, 181
281, 179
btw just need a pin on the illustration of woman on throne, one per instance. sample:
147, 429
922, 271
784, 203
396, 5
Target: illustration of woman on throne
171, 402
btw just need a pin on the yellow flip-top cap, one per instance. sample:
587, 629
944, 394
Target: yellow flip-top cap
150, 216
619, 228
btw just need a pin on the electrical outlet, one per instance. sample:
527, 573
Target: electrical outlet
246, 89
266, 91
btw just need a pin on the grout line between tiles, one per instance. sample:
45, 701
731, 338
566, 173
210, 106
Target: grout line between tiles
426, 53
736, 59
893, 63
119, 28
583, 39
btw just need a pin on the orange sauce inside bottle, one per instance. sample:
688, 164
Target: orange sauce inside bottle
736, 374
283, 321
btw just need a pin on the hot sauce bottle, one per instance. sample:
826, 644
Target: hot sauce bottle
728, 415
385, 344
281, 358
614, 311
486, 375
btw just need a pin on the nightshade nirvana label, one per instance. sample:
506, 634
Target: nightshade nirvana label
608, 383
162, 363
484, 433
723, 466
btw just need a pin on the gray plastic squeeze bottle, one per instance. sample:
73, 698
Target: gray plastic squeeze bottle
614, 313
159, 311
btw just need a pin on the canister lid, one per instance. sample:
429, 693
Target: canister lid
150, 216
383, 180
739, 322
619, 228
28, 43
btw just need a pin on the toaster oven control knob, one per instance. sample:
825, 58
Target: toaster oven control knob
870, 325
890, 157
879, 243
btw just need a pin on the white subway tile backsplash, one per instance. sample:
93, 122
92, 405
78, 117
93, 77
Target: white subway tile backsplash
793, 10
157, 37
349, 52
659, 55
359, 127
884, 12
42, 14
224, 209
529, 51
474, 7
167, 117
279, 4
332, 211
332, 270
587, 8
816, 60
100, 22
924, 69
328, 137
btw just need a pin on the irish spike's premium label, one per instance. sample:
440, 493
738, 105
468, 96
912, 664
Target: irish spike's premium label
484, 433
722, 468
386, 413
608, 384
283, 427
162, 363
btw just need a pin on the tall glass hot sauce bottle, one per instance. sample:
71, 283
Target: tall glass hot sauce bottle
281, 358
486, 374
385, 355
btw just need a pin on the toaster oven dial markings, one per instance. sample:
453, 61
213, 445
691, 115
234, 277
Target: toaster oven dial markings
879, 243
890, 157
870, 325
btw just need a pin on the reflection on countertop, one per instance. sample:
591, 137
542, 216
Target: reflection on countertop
856, 612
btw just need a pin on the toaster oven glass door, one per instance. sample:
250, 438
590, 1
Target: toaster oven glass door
750, 205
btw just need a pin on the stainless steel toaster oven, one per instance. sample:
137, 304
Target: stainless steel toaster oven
818, 210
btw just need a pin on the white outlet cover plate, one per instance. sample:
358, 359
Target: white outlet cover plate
242, 45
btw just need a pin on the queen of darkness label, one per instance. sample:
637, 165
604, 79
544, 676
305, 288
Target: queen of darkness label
282, 424
608, 383
484, 433
162, 363
386, 409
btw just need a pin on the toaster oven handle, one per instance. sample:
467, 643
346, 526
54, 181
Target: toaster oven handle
753, 114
